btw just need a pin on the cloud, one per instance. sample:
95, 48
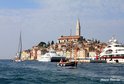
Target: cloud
88, 9
52, 18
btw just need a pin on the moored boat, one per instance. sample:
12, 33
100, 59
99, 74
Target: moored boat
51, 56
44, 58
113, 53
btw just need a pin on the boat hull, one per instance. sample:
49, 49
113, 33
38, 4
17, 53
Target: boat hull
67, 64
17, 60
44, 59
57, 59
113, 59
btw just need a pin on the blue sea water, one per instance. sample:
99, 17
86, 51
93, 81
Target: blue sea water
33, 72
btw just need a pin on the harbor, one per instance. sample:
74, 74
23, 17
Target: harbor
76, 48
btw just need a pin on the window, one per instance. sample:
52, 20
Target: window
109, 51
119, 45
120, 50
109, 46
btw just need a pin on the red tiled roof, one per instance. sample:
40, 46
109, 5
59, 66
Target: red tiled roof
69, 37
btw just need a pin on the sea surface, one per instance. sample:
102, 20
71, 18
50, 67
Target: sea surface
33, 72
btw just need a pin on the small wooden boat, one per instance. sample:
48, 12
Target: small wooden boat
67, 64
64, 64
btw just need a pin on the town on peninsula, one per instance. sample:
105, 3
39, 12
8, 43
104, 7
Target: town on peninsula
82, 48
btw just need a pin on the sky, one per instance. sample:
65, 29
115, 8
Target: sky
47, 20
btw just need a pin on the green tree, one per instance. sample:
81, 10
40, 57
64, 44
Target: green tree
52, 42
42, 44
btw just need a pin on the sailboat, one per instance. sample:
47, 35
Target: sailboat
19, 52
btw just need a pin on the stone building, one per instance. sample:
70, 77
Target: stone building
75, 38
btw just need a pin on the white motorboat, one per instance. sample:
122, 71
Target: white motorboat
44, 58
113, 53
51, 56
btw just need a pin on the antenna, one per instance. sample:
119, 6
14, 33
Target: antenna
70, 32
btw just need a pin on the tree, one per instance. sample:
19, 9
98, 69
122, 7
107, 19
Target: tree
42, 44
52, 42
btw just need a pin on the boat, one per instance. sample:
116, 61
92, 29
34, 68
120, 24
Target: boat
44, 58
55, 57
114, 52
51, 56
70, 62
67, 63
19, 52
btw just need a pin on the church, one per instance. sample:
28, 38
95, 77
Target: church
75, 38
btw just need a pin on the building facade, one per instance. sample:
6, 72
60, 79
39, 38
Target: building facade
75, 38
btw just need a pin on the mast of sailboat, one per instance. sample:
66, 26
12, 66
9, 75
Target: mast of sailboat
20, 46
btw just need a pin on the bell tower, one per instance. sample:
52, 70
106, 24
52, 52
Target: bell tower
78, 28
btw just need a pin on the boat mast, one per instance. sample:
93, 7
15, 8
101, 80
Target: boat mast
20, 46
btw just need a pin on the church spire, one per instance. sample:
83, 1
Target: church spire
78, 28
